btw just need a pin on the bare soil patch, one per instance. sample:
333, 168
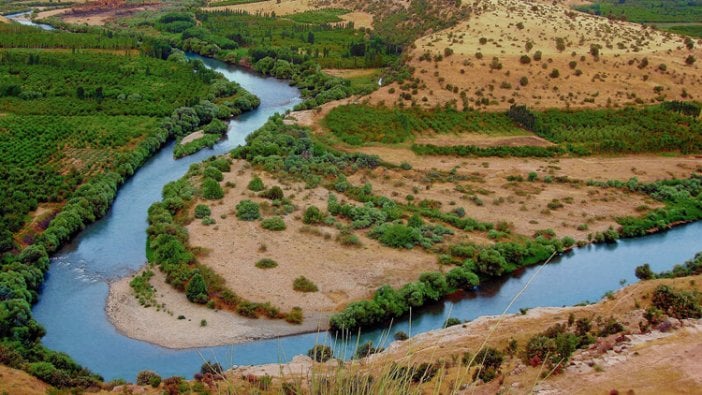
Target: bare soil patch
192, 137
14, 381
163, 327
343, 274
487, 195
280, 7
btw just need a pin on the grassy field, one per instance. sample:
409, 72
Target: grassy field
647, 11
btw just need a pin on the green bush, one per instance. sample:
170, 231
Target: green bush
266, 263
273, 193
248, 210
320, 353
213, 172
396, 235
312, 215
202, 211
676, 303
273, 223
196, 290
211, 189
295, 316
303, 284
147, 377
256, 184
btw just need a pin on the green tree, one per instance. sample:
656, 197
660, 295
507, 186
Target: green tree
196, 291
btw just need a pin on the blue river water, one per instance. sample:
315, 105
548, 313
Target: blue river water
72, 304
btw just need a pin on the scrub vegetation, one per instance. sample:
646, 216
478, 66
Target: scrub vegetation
417, 174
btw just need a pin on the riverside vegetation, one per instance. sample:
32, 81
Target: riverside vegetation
76, 124
135, 104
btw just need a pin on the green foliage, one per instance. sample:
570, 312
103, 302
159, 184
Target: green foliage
499, 151
273, 223
313, 215
248, 210
273, 193
266, 263
319, 17
256, 184
320, 353
303, 284
196, 290
147, 377
143, 289
191, 147
490, 361
648, 11
676, 303
357, 124
213, 172
211, 189
649, 129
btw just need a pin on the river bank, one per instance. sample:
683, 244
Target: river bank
165, 328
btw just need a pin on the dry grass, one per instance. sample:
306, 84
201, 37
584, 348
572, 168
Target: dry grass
343, 274
13, 381
608, 80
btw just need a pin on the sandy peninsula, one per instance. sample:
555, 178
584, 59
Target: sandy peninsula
162, 327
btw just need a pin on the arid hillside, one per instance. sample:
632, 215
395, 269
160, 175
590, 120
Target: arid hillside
546, 55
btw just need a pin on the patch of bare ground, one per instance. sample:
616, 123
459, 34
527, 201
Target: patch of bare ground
645, 167
14, 381
483, 59
4, 20
163, 326
486, 194
343, 274
192, 137
350, 73
481, 140
98, 14
280, 7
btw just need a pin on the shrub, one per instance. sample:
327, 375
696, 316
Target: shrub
196, 290
320, 353
215, 127
524, 81
554, 73
248, 210
491, 360
147, 377
451, 321
211, 368
303, 284
312, 215
400, 336
273, 193
202, 211
366, 349
396, 235
266, 263
294, 316
678, 304
211, 189
690, 60
256, 184
213, 173
273, 223
644, 272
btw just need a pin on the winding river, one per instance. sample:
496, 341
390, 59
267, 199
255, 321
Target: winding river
72, 304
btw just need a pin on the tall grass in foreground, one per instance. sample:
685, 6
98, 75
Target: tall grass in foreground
410, 373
